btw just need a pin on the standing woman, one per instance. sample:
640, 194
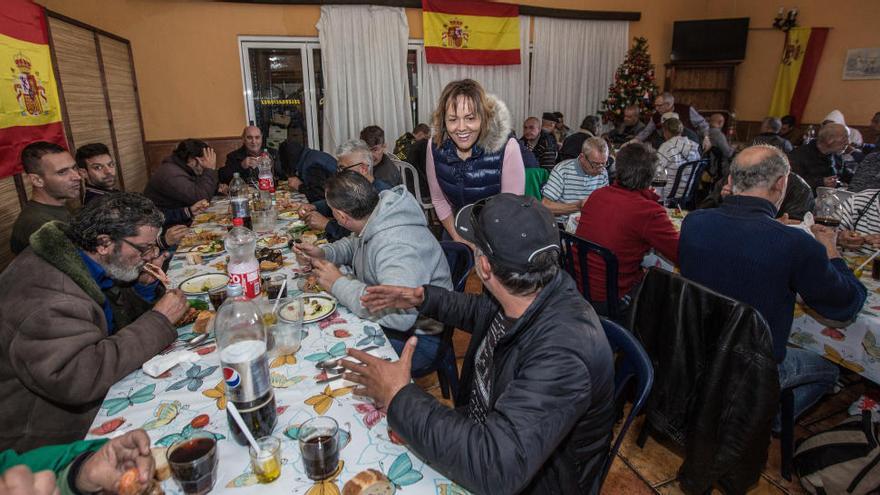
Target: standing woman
472, 155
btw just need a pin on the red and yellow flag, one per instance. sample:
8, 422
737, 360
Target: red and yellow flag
797, 70
471, 32
29, 104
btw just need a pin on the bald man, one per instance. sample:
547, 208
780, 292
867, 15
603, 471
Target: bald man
819, 162
244, 160
717, 137
741, 251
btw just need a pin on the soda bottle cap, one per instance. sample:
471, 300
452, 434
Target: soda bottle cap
238, 222
234, 290
236, 175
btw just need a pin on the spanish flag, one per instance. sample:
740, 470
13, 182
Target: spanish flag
797, 70
470, 32
29, 103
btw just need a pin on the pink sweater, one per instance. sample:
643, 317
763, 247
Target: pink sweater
513, 177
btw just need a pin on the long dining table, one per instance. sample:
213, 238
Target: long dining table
190, 400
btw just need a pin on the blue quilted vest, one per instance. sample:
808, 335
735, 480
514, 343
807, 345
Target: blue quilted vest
467, 181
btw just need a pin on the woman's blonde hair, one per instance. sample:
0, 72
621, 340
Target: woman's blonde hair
482, 106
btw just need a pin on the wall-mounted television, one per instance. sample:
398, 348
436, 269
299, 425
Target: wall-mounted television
716, 39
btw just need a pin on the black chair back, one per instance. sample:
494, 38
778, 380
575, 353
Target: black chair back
686, 200
574, 261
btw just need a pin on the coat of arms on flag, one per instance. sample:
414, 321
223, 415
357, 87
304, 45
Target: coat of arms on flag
471, 32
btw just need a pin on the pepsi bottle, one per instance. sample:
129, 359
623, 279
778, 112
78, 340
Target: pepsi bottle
241, 340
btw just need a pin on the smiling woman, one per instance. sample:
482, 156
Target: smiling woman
472, 154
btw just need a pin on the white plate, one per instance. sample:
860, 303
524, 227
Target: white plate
288, 312
194, 286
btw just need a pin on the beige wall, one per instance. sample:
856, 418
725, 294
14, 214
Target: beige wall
853, 26
189, 73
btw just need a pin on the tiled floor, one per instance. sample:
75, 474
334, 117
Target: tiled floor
652, 470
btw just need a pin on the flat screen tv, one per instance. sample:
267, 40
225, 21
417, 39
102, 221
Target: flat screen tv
716, 39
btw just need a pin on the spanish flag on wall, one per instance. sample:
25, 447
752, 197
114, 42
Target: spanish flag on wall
797, 70
29, 104
470, 32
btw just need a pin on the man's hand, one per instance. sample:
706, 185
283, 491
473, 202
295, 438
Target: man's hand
200, 206
104, 468
309, 250
145, 278
174, 234
316, 221
250, 162
208, 159
379, 379
294, 183
873, 240
826, 236
223, 188
707, 144
304, 209
830, 181
19, 480
850, 239
379, 297
326, 272
172, 305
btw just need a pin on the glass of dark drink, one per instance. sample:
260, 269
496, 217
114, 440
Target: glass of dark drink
319, 446
828, 209
273, 286
217, 295
193, 463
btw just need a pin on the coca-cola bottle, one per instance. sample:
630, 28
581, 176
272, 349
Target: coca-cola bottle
266, 181
243, 268
241, 340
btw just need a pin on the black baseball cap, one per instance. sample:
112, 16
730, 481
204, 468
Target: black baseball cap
550, 116
509, 229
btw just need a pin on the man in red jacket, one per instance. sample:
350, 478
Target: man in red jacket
627, 219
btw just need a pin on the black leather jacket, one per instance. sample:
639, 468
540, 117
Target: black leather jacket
551, 407
716, 384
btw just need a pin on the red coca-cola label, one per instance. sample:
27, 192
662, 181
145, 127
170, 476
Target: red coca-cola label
250, 282
266, 184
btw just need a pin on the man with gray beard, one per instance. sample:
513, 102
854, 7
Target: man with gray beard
77, 314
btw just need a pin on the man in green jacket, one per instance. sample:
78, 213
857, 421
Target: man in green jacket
80, 467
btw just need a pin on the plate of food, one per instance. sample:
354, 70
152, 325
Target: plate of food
288, 215
210, 249
201, 284
270, 259
273, 241
316, 308
198, 237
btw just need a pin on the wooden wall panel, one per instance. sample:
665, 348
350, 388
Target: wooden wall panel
125, 114
80, 75
159, 150
8, 214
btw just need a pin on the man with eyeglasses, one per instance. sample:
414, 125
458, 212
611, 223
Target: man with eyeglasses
77, 314
52, 173
353, 155
572, 181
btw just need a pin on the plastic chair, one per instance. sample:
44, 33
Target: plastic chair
461, 261
574, 261
686, 200
633, 363
413, 184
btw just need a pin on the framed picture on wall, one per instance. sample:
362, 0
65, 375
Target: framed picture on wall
862, 63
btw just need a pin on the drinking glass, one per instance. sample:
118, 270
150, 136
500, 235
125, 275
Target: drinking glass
267, 461
193, 463
319, 446
287, 332
217, 296
264, 220
829, 209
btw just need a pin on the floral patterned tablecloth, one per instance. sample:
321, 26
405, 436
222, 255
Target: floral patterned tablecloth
190, 398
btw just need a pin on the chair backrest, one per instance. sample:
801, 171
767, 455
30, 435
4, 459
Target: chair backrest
461, 261
411, 179
687, 197
574, 261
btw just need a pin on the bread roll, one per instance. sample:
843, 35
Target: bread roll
368, 482
163, 470
201, 324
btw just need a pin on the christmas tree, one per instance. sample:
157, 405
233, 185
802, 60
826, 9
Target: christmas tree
633, 84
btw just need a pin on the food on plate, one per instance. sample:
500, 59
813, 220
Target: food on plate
368, 482
194, 258
313, 307
198, 237
212, 247
202, 320
203, 217
309, 237
273, 240
268, 266
268, 254
187, 318
157, 272
311, 284
289, 215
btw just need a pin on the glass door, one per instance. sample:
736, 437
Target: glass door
283, 88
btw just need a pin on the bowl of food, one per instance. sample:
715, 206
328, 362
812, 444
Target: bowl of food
201, 284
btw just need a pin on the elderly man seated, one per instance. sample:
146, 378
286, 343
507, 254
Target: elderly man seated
675, 151
391, 245
818, 162
540, 142
535, 411
861, 222
743, 252
245, 161
770, 128
571, 182
79, 313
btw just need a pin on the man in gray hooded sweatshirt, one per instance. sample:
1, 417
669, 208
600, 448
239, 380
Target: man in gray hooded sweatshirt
390, 244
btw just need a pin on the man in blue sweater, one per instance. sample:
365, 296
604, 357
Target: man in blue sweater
741, 251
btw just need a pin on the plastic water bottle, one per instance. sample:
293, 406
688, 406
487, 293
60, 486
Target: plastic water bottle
237, 186
266, 181
243, 268
241, 340
240, 200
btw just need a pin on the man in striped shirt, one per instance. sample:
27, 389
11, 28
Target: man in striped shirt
673, 153
572, 181
860, 222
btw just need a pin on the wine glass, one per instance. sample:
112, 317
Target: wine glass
829, 209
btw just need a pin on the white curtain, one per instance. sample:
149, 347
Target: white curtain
573, 63
510, 83
363, 56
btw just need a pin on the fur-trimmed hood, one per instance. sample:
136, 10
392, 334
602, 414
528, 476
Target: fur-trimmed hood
52, 245
498, 129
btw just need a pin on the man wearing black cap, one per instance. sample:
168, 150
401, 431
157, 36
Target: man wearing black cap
534, 412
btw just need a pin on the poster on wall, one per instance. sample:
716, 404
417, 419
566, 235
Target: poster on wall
862, 63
